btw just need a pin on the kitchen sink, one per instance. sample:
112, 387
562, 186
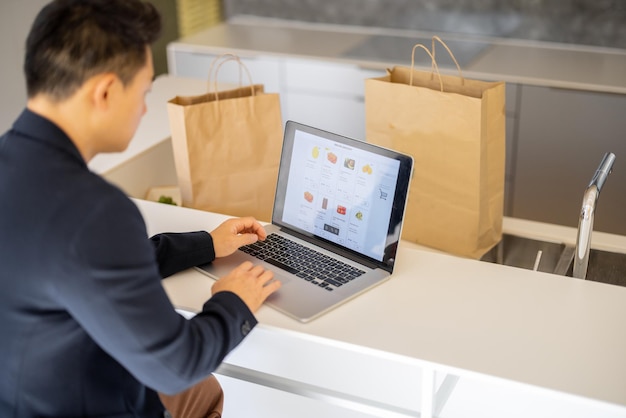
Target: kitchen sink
523, 252
606, 267
557, 258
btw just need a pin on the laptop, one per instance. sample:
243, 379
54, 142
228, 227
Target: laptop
336, 222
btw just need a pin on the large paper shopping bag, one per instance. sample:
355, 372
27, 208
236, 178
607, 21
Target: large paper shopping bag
227, 148
454, 127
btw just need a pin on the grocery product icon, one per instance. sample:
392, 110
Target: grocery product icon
367, 169
315, 152
349, 163
308, 197
332, 157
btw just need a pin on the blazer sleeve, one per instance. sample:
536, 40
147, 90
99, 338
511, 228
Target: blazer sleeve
111, 285
179, 251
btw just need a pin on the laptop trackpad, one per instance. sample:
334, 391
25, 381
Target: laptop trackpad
220, 267
283, 279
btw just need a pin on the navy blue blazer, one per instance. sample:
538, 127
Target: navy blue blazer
86, 326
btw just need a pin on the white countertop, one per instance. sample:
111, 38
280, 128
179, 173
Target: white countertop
516, 61
539, 329
562, 334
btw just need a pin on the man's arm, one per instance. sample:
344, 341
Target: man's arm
110, 285
179, 251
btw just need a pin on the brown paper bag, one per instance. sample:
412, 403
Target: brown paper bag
227, 148
454, 128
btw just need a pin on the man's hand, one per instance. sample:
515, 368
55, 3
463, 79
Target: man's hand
251, 283
235, 233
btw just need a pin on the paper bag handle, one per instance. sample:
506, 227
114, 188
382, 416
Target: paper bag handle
225, 58
458, 67
434, 64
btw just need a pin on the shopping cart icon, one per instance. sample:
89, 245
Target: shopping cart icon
383, 195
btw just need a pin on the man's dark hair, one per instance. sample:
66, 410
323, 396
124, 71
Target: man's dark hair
73, 40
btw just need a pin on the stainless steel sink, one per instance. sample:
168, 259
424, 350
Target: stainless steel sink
557, 258
605, 267
526, 253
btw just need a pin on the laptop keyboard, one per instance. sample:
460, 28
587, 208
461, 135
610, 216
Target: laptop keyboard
316, 268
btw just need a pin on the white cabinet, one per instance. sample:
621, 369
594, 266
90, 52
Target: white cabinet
281, 375
330, 78
345, 116
195, 63
324, 378
483, 397
328, 95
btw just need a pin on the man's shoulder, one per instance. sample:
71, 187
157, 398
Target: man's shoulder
88, 205
98, 195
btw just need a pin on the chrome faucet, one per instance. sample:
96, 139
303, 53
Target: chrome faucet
585, 223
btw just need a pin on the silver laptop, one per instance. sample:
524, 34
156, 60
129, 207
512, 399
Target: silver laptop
336, 222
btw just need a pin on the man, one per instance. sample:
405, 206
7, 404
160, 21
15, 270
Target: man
87, 329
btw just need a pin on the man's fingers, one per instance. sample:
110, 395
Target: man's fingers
271, 286
266, 276
252, 283
245, 239
245, 266
256, 271
247, 224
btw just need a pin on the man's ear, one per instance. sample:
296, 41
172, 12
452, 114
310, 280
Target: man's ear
103, 89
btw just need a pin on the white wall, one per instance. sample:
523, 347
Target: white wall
16, 17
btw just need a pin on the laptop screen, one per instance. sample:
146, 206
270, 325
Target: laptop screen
343, 191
